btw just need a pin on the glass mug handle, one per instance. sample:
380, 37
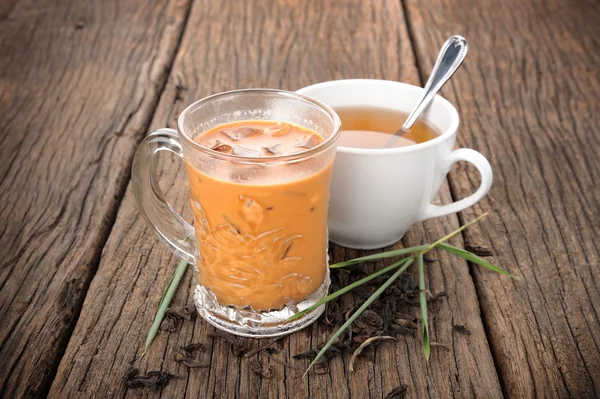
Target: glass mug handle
160, 215
485, 170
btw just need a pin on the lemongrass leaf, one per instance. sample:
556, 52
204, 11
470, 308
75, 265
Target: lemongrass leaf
190, 234
455, 232
423, 303
471, 257
351, 319
382, 255
347, 288
162, 298
164, 303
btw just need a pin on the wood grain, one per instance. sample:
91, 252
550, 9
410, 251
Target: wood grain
78, 85
287, 44
528, 96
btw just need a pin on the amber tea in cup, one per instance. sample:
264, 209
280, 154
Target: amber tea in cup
371, 127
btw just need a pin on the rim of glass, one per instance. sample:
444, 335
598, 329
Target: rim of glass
328, 142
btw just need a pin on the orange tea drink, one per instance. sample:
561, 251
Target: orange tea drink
259, 164
261, 235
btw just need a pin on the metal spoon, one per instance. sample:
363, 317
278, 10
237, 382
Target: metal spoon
452, 54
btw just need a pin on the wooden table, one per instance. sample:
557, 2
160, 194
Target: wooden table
81, 83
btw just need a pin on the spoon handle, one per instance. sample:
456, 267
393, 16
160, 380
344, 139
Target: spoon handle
451, 55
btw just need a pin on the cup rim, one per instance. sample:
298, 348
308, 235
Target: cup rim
454, 118
327, 143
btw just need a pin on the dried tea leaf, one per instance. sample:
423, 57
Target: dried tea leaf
321, 368
309, 141
221, 147
403, 330
153, 379
405, 316
369, 324
438, 296
241, 132
193, 348
371, 318
280, 361
190, 350
183, 313
188, 355
174, 318
479, 250
270, 150
279, 130
439, 344
409, 285
459, 328
191, 363
334, 350
406, 323
398, 392
237, 344
245, 152
333, 316
257, 367
263, 347
428, 257
168, 325
309, 354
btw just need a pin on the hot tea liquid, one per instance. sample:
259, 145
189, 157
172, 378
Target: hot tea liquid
262, 240
371, 127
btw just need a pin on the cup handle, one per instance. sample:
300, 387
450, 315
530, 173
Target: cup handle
485, 170
158, 213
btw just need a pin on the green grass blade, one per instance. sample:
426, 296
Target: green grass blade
471, 257
162, 298
365, 305
164, 303
423, 302
455, 232
190, 234
347, 288
382, 255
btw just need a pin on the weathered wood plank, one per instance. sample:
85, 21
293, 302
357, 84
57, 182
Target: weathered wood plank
78, 85
270, 44
529, 100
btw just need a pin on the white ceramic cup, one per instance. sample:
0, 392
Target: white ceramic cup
378, 194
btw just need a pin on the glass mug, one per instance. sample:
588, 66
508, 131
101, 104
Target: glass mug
260, 240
